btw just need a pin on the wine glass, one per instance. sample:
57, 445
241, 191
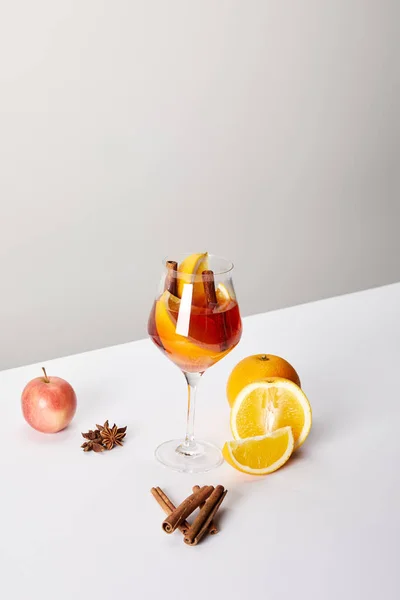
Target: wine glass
195, 321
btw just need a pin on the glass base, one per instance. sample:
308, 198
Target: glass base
196, 458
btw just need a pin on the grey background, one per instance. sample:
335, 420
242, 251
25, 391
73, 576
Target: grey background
266, 131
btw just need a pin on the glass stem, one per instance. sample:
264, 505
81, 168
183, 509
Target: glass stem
189, 446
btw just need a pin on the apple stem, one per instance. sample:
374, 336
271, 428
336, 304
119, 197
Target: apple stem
46, 379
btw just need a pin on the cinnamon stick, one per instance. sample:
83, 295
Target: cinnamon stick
212, 302
213, 529
202, 522
209, 288
171, 282
186, 508
168, 507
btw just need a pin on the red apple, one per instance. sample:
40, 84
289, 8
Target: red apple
48, 403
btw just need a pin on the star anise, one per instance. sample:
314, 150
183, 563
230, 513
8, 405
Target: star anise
94, 441
91, 435
111, 436
92, 445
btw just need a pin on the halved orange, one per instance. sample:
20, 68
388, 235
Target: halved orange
266, 406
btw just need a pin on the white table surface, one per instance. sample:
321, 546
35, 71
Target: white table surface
327, 526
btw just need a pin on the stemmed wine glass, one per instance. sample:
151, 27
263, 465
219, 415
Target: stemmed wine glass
195, 321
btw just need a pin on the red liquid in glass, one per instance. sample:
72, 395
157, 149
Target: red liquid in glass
212, 333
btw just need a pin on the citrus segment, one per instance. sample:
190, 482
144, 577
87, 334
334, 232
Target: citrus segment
266, 406
189, 271
260, 455
223, 296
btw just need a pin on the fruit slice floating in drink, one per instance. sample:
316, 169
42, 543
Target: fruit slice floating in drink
189, 271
